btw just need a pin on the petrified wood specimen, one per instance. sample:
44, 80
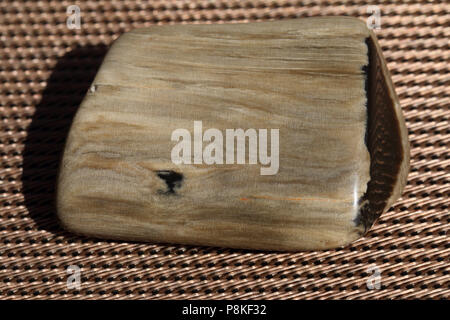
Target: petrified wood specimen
321, 83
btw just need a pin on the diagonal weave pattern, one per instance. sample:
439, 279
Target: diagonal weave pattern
45, 70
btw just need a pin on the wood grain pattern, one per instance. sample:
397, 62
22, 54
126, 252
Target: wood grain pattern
304, 77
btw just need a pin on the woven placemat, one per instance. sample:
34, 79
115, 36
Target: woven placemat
45, 70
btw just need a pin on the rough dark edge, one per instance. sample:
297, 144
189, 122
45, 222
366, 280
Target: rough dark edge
383, 139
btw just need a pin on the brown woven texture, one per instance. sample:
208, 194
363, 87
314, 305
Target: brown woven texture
45, 70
